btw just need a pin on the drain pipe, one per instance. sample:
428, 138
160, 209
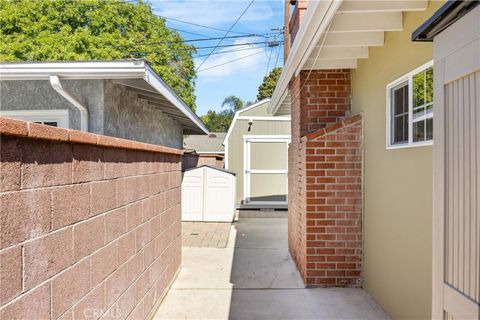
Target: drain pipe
57, 86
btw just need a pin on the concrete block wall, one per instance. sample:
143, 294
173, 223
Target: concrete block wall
325, 156
89, 224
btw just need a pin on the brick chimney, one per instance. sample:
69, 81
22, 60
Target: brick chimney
297, 17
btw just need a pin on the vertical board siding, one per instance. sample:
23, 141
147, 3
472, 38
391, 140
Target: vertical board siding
476, 199
462, 228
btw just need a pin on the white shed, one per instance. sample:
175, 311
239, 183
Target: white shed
208, 194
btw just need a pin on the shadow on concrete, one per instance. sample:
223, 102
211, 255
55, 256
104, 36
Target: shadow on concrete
267, 284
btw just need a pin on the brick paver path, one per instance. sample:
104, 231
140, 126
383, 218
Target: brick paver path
205, 234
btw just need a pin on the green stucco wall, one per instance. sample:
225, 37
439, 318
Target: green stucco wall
398, 183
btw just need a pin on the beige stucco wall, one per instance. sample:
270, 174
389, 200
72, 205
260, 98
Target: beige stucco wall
398, 183
235, 142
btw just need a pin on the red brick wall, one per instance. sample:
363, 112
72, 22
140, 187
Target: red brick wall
296, 18
296, 185
333, 189
321, 99
89, 225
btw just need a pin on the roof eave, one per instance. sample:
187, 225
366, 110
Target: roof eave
316, 20
114, 70
445, 16
155, 81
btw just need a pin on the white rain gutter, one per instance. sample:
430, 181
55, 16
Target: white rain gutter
57, 86
315, 22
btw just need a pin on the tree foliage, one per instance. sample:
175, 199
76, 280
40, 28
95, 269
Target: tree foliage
233, 102
266, 88
218, 121
46, 30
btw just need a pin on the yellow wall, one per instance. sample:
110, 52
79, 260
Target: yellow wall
398, 183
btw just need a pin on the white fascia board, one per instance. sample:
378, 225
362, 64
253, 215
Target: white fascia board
265, 118
315, 22
235, 117
126, 69
158, 84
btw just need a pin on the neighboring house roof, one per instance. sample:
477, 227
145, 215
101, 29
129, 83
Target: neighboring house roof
442, 19
334, 35
211, 143
134, 73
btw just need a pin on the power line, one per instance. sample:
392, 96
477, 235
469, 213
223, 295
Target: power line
228, 51
207, 47
226, 34
199, 25
268, 62
180, 30
183, 41
231, 61
278, 54
188, 32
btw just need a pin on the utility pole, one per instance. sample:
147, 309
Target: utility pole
286, 31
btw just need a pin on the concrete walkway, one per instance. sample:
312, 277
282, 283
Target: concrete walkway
254, 277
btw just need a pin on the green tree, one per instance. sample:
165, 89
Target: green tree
46, 30
265, 90
218, 121
233, 102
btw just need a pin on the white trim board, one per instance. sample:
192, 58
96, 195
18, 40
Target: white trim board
61, 116
247, 139
265, 118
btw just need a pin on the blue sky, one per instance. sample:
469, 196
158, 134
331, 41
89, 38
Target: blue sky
242, 77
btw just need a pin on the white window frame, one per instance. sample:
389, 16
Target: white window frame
409, 79
60, 116
247, 171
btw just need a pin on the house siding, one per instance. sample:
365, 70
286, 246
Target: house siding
257, 111
398, 183
113, 110
39, 95
129, 117
236, 144
90, 225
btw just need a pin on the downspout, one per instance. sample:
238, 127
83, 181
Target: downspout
57, 86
